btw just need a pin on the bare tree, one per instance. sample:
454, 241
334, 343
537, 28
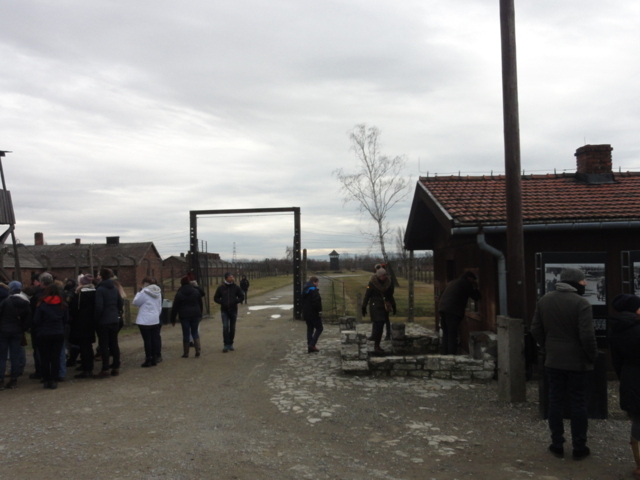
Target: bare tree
378, 184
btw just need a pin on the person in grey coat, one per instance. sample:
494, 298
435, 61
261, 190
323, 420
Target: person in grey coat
563, 328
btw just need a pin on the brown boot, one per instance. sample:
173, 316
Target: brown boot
196, 343
185, 347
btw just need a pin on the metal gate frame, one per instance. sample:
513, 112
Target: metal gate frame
297, 263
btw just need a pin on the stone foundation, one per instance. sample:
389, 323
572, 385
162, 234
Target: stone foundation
412, 352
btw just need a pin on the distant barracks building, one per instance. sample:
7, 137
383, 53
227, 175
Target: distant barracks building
131, 262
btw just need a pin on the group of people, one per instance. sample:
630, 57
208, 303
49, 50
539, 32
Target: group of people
64, 319
56, 314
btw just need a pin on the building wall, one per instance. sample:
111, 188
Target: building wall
460, 253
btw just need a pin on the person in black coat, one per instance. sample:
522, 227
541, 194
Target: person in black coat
244, 285
228, 296
187, 305
107, 314
452, 305
50, 318
312, 313
624, 342
83, 326
380, 297
15, 320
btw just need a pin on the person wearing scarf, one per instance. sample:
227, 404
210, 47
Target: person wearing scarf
379, 295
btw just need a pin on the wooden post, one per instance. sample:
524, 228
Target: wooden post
516, 293
411, 316
511, 371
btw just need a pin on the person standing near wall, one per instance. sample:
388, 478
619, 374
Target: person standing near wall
312, 313
228, 296
563, 328
380, 296
452, 305
624, 342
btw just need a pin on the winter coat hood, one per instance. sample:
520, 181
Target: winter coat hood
308, 286
153, 290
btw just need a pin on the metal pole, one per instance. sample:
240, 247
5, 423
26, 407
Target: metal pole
515, 239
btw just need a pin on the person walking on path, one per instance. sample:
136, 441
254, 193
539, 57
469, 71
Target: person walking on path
624, 342
83, 326
15, 320
50, 317
312, 313
187, 305
244, 285
228, 296
451, 305
107, 314
563, 328
380, 295
149, 303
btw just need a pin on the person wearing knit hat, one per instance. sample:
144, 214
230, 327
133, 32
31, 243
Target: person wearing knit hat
563, 328
379, 296
228, 296
571, 275
14, 287
624, 344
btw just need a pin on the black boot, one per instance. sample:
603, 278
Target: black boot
147, 362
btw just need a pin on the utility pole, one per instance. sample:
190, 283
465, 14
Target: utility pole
516, 293
511, 361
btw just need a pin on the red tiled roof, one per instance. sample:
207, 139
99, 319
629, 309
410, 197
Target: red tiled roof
545, 199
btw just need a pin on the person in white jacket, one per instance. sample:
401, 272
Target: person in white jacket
149, 303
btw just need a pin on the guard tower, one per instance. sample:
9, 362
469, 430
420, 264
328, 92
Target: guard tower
334, 261
7, 218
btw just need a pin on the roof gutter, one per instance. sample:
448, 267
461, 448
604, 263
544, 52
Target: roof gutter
546, 227
502, 273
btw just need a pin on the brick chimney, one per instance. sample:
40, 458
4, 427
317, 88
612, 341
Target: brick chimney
594, 164
38, 238
78, 241
594, 159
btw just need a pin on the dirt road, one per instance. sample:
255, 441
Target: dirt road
270, 411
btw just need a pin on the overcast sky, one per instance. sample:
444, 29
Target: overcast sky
124, 116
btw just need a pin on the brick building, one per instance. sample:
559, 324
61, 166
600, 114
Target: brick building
131, 262
589, 219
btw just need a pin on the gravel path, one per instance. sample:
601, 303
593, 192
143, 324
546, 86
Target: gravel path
270, 411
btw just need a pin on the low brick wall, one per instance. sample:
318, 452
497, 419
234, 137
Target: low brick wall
412, 352
450, 367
